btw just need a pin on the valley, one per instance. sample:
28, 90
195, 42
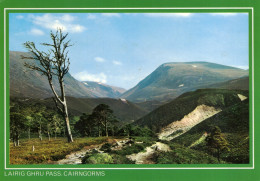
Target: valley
172, 116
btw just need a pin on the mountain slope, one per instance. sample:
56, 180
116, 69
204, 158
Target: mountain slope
126, 111
27, 83
234, 125
239, 84
103, 90
178, 109
172, 79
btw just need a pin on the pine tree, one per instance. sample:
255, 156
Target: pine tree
216, 142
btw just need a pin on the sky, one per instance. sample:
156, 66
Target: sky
121, 49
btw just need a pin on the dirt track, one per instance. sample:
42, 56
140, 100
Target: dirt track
145, 157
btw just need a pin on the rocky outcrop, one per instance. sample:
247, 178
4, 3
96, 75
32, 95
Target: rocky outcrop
177, 128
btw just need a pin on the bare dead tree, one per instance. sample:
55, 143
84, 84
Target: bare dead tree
53, 63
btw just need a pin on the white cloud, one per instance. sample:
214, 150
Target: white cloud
169, 15
67, 18
117, 62
85, 76
99, 59
36, 32
223, 14
52, 22
19, 17
91, 16
111, 14
242, 67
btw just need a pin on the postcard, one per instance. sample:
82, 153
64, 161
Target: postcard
121, 90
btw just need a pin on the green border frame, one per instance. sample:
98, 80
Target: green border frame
212, 172
121, 166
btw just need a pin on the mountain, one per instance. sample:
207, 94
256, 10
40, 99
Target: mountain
27, 83
150, 105
197, 105
234, 125
125, 110
187, 123
103, 90
239, 84
172, 79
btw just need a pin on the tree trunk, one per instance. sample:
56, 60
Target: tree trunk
40, 132
98, 130
49, 136
14, 142
17, 139
29, 133
90, 132
106, 128
65, 112
218, 156
113, 131
67, 123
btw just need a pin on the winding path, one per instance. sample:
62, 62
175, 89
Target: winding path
145, 157
75, 158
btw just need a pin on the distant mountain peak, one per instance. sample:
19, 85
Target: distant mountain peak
26, 83
100, 89
174, 78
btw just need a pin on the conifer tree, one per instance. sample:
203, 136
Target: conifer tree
216, 142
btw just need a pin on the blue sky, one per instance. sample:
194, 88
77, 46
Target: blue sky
122, 49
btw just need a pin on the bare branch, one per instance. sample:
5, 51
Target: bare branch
54, 92
47, 44
33, 67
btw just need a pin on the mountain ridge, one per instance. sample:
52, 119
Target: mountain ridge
28, 83
103, 90
170, 80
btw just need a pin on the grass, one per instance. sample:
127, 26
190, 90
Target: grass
47, 152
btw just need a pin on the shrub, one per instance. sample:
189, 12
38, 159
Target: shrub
98, 158
128, 150
106, 147
183, 155
121, 159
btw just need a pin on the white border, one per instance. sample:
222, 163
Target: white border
227, 8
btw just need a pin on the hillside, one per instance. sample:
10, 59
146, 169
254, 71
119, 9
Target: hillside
187, 122
239, 84
103, 90
27, 83
170, 80
124, 110
234, 125
185, 104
